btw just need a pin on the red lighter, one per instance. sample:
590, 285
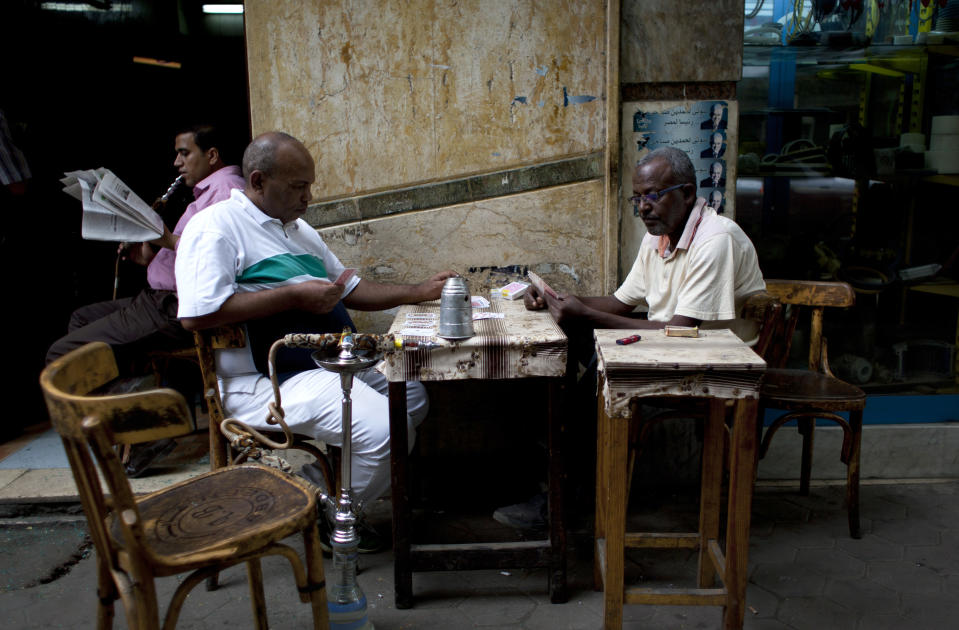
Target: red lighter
628, 340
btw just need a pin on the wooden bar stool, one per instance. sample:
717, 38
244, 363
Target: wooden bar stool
716, 366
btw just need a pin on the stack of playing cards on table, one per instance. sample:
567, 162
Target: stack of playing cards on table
513, 290
420, 325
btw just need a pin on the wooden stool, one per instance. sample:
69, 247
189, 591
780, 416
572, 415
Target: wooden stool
717, 366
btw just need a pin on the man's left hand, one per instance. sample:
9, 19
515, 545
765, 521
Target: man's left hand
432, 289
566, 308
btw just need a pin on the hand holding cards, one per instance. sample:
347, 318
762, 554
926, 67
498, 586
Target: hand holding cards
541, 287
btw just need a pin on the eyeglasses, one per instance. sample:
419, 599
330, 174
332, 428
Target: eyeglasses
653, 197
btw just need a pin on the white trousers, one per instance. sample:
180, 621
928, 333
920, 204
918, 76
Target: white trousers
312, 404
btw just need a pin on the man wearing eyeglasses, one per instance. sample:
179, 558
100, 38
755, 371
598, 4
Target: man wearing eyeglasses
693, 267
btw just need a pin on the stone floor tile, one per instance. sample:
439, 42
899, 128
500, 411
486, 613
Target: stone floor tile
801, 537
760, 603
908, 532
766, 552
904, 577
863, 595
943, 559
931, 610
570, 616
497, 610
686, 618
871, 547
832, 563
878, 621
754, 623
879, 502
790, 579
815, 613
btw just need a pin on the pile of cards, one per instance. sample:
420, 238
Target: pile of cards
420, 325
514, 290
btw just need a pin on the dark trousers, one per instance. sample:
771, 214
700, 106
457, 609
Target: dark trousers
130, 325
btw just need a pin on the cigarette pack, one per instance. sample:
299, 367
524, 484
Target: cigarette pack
514, 290
682, 331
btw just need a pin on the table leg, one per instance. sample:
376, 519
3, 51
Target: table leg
710, 493
399, 482
742, 466
615, 445
599, 529
557, 520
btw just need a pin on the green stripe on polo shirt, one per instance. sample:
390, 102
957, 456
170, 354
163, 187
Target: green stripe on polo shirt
281, 268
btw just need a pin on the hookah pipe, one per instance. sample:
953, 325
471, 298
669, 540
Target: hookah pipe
157, 205
346, 354
247, 441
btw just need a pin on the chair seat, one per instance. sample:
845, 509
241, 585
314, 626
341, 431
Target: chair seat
222, 514
795, 389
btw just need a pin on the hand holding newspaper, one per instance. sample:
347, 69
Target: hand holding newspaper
111, 210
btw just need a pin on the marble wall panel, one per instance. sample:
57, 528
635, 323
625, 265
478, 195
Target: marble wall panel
393, 94
675, 41
555, 231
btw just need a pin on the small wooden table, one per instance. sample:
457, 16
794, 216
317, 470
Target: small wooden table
522, 344
719, 366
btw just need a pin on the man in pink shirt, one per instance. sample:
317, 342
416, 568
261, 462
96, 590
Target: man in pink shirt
147, 320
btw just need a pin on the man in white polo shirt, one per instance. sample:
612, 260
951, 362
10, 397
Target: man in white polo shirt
252, 258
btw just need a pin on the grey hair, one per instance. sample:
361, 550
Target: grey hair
679, 163
260, 155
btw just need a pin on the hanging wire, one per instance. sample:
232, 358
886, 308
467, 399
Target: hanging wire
799, 23
756, 9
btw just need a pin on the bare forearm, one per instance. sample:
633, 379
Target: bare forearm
241, 307
374, 296
598, 319
608, 312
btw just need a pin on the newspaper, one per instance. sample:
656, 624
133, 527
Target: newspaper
111, 210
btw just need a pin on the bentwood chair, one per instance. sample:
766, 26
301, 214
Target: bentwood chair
203, 525
245, 440
814, 393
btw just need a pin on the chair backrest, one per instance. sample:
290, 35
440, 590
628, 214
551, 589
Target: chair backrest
764, 308
207, 341
800, 295
89, 422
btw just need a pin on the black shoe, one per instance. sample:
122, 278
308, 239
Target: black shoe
142, 456
526, 516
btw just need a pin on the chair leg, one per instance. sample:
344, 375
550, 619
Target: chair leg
852, 473
807, 428
257, 598
316, 580
106, 595
143, 594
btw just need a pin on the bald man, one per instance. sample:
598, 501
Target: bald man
252, 258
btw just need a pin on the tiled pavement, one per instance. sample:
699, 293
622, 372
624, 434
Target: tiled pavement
805, 572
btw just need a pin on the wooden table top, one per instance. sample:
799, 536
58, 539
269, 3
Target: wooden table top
715, 364
520, 344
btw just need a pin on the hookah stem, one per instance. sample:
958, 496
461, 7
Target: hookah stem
346, 382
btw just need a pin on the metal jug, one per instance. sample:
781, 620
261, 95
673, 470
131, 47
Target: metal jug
456, 310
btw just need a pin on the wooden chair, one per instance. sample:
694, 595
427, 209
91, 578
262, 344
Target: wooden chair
206, 342
202, 525
814, 392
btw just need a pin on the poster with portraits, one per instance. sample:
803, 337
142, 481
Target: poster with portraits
705, 130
